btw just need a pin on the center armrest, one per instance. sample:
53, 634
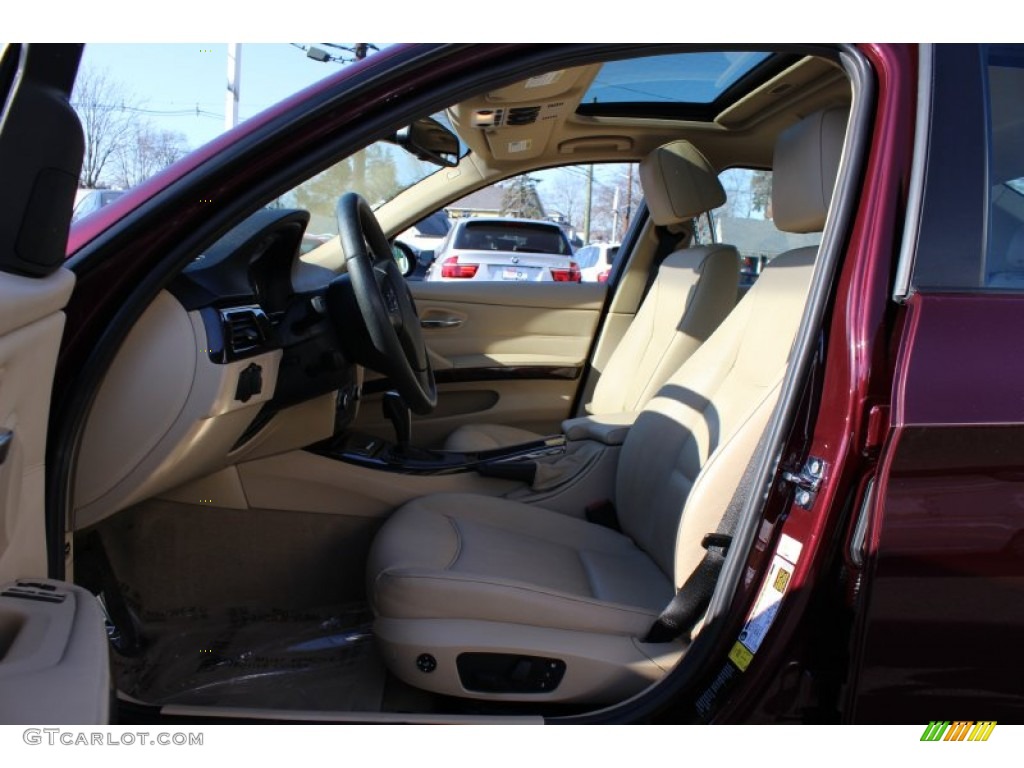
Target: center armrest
610, 429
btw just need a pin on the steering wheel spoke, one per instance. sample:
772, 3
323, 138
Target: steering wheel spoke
374, 309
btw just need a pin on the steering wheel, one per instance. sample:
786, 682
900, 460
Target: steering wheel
374, 311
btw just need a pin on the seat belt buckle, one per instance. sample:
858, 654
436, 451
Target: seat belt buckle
603, 513
720, 541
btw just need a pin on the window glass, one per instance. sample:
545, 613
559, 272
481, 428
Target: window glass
698, 78
560, 224
587, 257
513, 237
970, 232
1004, 257
745, 221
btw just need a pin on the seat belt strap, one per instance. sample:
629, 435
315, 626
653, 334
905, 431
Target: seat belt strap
692, 600
667, 243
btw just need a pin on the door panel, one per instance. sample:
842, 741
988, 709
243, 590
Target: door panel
502, 355
28, 354
944, 621
510, 325
941, 622
54, 664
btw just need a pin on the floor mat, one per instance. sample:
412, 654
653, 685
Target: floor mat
323, 659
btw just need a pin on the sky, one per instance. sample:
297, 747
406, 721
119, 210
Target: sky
182, 87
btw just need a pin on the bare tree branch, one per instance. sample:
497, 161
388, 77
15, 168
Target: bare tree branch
104, 107
147, 151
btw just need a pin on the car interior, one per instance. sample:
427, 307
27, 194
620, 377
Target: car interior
307, 486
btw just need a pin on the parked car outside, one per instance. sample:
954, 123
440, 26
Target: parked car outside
509, 250
90, 200
596, 261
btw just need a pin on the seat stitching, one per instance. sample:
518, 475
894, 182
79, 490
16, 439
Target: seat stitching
505, 585
621, 546
458, 541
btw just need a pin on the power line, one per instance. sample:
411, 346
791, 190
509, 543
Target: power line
197, 112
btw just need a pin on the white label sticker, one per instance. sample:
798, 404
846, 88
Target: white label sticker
546, 79
763, 613
522, 145
789, 548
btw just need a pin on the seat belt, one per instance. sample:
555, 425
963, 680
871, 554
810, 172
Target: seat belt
693, 598
667, 243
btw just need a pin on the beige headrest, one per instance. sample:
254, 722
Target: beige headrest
804, 170
679, 183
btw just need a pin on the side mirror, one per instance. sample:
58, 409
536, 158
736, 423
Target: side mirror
404, 257
430, 141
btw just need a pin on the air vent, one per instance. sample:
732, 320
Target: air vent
522, 116
244, 329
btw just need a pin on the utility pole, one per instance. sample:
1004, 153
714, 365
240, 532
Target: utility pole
615, 215
234, 85
629, 200
590, 199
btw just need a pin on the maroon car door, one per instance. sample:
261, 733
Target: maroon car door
940, 623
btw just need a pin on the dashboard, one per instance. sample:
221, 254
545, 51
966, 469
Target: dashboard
238, 358
245, 289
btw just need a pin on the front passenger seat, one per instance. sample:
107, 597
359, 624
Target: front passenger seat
695, 288
489, 598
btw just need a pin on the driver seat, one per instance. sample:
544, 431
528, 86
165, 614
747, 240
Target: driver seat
490, 598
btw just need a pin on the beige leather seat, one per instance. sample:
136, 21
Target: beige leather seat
695, 288
467, 580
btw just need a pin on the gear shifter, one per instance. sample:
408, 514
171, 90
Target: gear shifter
398, 413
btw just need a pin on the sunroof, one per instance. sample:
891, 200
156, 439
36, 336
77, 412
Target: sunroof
679, 78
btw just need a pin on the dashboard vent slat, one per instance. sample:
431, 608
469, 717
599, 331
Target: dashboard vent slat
244, 328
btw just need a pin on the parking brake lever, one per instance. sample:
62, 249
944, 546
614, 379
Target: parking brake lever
398, 413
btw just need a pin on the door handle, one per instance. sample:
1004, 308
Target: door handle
450, 322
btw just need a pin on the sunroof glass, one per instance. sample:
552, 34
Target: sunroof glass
688, 78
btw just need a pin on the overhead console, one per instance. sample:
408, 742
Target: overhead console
516, 123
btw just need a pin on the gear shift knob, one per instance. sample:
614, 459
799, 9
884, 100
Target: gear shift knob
398, 413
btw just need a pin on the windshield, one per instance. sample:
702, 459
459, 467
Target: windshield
378, 173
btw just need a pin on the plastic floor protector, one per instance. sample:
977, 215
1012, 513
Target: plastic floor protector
321, 659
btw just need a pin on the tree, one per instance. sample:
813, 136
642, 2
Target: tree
617, 194
748, 193
104, 107
371, 173
145, 152
521, 199
565, 196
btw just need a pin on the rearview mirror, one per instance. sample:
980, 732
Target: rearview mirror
430, 141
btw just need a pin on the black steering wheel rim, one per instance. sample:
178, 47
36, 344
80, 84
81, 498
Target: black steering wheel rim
394, 342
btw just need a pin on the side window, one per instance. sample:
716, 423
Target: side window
745, 221
969, 235
556, 225
1004, 253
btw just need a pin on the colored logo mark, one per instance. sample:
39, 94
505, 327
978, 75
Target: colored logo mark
740, 656
960, 730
